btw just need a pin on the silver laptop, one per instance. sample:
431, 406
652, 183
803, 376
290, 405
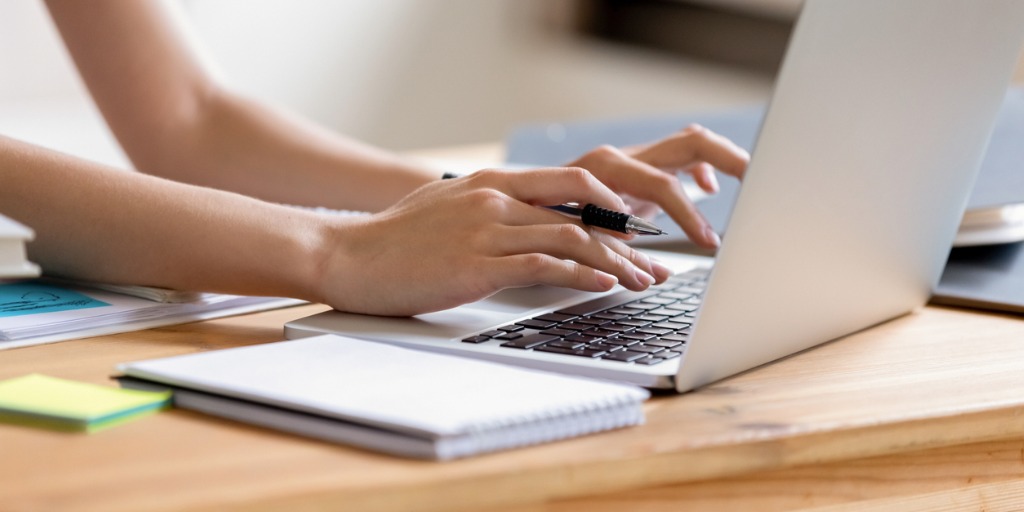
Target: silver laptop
862, 168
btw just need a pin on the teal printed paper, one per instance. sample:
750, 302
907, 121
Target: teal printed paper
19, 299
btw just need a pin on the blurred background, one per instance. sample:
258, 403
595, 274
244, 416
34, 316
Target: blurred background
408, 74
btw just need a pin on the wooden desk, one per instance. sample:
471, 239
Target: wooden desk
922, 413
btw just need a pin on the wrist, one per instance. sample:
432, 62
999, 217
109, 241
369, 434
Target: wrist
331, 260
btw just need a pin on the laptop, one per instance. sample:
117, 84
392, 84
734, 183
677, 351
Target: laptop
861, 171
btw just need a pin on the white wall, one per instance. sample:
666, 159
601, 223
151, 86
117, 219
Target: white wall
400, 73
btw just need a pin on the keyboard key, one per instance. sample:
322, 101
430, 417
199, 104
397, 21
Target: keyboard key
684, 307
511, 328
530, 341
674, 326
649, 360
579, 338
508, 336
555, 317
634, 323
621, 342
675, 337
491, 334
557, 350
589, 352
665, 312
576, 326
669, 354
593, 321
662, 343
624, 355
646, 306
607, 347
638, 336
565, 344
691, 290
537, 324
598, 333
558, 332
476, 339
644, 348
626, 311
654, 330
618, 328
659, 300
610, 316
583, 352
650, 318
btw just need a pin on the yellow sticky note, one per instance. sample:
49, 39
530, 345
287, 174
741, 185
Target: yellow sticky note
49, 402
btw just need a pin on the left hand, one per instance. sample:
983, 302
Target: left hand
645, 175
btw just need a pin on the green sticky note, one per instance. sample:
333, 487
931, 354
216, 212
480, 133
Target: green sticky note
49, 402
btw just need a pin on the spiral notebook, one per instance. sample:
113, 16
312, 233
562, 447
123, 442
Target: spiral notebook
389, 399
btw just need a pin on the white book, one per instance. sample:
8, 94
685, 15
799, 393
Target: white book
13, 260
390, 399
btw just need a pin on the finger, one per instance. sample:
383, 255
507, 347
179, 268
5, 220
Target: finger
704, 176
642, 180
536, 268
633, 269
521, 214
549, 186
653, 267
696, 144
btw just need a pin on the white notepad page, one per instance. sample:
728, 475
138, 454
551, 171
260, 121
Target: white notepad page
424, 394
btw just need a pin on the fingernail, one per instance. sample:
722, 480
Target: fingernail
644, 278
712, 237
713, 182
606, 281
661, 272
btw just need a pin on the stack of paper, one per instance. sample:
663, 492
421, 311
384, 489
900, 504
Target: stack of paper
57, 404
13, 262
33, 312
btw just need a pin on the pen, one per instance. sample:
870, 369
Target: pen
593, 215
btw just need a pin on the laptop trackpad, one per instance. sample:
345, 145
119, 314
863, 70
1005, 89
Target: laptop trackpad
503, 307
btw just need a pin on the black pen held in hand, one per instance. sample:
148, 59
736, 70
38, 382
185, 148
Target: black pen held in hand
593, 215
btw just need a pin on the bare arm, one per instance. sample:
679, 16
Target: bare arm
103, 224
175, 120
423, 254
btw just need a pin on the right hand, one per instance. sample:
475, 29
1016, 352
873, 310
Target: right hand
457, 241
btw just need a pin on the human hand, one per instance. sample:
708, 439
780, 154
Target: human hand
456, 241
645, 175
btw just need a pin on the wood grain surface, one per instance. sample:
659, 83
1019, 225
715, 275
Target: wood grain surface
940, 388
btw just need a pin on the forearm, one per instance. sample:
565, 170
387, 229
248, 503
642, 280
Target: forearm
173, 119
258, 150
97, 223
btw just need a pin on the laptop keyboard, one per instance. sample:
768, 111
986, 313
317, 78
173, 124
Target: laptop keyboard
644, 328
